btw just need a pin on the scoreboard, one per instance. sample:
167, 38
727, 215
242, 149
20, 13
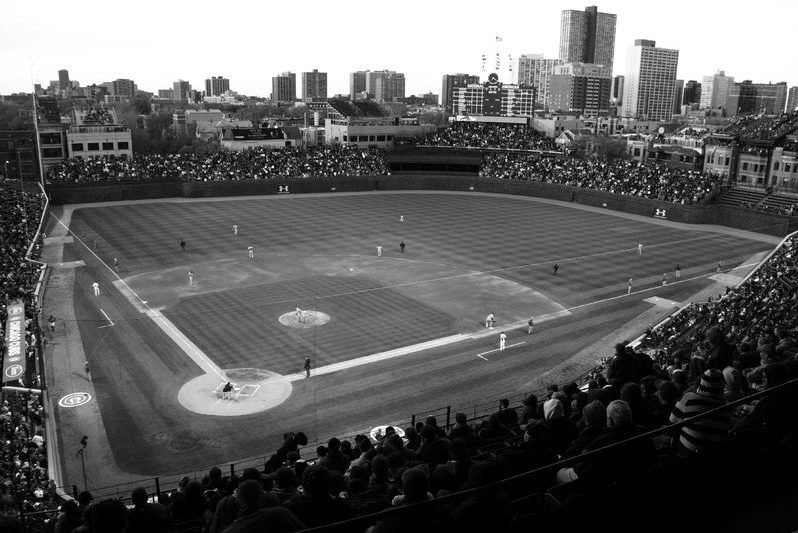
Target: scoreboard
256, 134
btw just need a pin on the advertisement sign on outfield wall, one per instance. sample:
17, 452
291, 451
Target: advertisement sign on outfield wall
14, 360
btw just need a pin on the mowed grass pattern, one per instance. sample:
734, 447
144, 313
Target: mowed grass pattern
362, 321
512, 237
487, 233
136, 370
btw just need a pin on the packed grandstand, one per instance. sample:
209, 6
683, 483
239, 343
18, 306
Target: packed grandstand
705, 357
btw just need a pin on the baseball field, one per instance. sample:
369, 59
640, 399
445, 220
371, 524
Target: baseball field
140, 363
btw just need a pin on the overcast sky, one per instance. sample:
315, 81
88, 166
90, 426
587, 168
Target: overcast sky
156, 43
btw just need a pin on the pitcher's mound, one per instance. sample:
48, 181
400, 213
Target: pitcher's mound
307, 319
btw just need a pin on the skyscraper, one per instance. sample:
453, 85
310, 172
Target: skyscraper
284, 88
650, 81
452, 82
314, 86
181, 90
63, 80
692, 93
357, 84
715, 90
677, 97
535, 71
582, 88
385, 85
216, 86
616, 93
747, 98
587, 37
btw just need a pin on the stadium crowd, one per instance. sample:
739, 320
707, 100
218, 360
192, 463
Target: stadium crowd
24, 482
758, 317
97, 116
768, 127
619, 176
706, 356
703, 358
484, 135
252, 164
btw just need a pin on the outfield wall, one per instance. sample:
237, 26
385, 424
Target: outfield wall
71, 193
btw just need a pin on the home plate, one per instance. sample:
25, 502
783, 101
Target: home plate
661, 302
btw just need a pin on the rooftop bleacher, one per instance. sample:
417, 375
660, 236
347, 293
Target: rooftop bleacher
766, 128
357, 108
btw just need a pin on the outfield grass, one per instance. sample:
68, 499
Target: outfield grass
466, 255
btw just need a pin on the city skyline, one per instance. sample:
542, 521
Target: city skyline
36, 42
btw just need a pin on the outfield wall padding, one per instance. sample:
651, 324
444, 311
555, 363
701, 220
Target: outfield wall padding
71, 193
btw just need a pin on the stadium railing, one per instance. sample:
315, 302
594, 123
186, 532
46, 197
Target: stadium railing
444, 415
475, 412
521, 487
519, 482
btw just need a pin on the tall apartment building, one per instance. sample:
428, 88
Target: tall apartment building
284, 88
63, 80
357, 84
181, 90
677, 97
792, 99
314, 86
587, 37
746, 98
381, 85
216, 86
692, 93
650, 81
120, 87
616, 92
715, 90
386, 85
452, 82
535, 71
582, 88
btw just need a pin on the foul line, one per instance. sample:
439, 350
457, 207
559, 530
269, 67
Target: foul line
500, 350
658, 286
108, 318
183, 342
203, 361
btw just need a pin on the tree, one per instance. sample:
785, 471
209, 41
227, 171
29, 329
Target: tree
141, 104
256, 114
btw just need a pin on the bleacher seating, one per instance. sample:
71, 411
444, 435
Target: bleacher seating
723, 350
23, 450
486, 135
780, 203
742, 197
552, 457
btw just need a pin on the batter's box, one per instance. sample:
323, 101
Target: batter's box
248, 390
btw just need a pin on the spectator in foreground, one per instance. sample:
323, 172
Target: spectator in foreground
146, 517
316, 506
702, 435
261, 512
621, 463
